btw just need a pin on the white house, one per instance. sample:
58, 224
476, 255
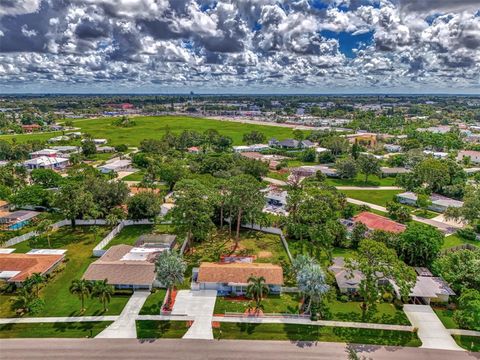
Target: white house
439, 203
117, 165
250, 148
97, 141
392, 148
45, 162
473, 155
436, 154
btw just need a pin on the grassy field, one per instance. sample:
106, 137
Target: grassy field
360, 181
314, 333
79, 244
136, 176
154, 302
455, 240
154, 127
377, 197
150, 329
53, 330
471, 343
285, 304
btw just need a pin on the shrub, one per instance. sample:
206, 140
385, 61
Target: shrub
387, 297
467, 234
343, 298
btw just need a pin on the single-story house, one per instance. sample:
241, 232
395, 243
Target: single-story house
117, 165
105, 149
310, 170
44, 152
376, 222
250, 148
438, 203
164, 241
31, 128
59, 138
45, 162
289, 144
15, 268
392, 148
436, 154
125, 267
276, 200
228, 278
17, 219
473, 155
306, 144
66, 150
394, 171
97, 141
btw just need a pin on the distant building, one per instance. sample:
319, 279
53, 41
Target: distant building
31, 128
45, 162
251, 148
44, 152
376, 222
391, 148
97, 141
439, 203
387, 171
436, 154
473, 155
17, 219
116, 166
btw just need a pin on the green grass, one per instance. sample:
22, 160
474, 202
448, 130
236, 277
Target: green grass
292, 332
471, 343
359, 180
424, 214
278, 175
377, 197
150, 329
285, 304
154, 127
153, 303
136, 176
53, 330
129, 235
455, 240
79, 244
446, 317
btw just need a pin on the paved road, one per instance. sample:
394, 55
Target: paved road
124, 326
117, 349
430, 329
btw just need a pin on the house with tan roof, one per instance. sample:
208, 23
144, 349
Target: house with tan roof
376, 222
126, 267
16, 268
232, 277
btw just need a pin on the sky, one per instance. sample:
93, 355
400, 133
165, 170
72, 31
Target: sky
240, 46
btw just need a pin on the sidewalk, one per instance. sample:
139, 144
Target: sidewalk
430, 329
27, 320
125, 327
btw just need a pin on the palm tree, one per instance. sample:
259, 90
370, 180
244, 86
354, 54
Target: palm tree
170, 269
45, 227
81, 288
35, 280
257, 289
103, 292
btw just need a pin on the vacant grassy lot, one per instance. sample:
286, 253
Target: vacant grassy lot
154, 303
154, 127
377, 197
455, 240
314, 333
285, 304
136, 176
149, 329
79, 244
360, 181
471, 343
53, 330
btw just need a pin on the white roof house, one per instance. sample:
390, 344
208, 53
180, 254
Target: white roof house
250, 148
45, 162
44, 152
97, 141
439, 203
59, 138
436, 154
117, 165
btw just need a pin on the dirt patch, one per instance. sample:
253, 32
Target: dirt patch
264, 254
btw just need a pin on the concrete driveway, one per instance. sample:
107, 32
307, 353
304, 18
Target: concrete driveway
199, 304
430, 329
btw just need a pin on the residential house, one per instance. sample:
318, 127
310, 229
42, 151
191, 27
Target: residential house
436, 154
310, 170
473, 155
126, 267
193, 150
66, 150
392, 148
232, 278
251, 148
363, 138
17, 219
439, 203
393, 171
276, 200
116, 166
45, 162
105, 149
31, 128
16, 268
97, 141
59, 138
376, 222
44, 152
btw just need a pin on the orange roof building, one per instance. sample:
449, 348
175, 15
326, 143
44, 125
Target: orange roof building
15, 268
377, 222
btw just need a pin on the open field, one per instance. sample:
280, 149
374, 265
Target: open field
359, 180
150, 329
314, 333
53, 330
154, 127
377, 197
79, 244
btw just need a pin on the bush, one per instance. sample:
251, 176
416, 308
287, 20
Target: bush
121, 148
343, 298
387, 297
467, 234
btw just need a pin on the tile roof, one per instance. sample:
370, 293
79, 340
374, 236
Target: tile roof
27, 264
239, 273
377, 222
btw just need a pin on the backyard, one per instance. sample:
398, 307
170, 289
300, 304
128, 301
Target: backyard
291, 332
130, 234
79, 243
53, 330
456, 240
377, 197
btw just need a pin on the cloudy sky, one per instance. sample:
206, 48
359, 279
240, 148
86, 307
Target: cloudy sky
240, 46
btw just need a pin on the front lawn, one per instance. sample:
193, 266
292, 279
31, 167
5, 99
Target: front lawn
153, 303
285, 303
79, 243
470, 343
377, 197
150, 329
456, 240
446, 317
424, 214
53, 330
293, 332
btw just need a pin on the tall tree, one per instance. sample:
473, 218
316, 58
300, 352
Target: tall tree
257, 289
368, 165
312, 283
103, 292
170, 269
470, 211
35, 280
419, 244
74, 201
81, 288
144, 205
